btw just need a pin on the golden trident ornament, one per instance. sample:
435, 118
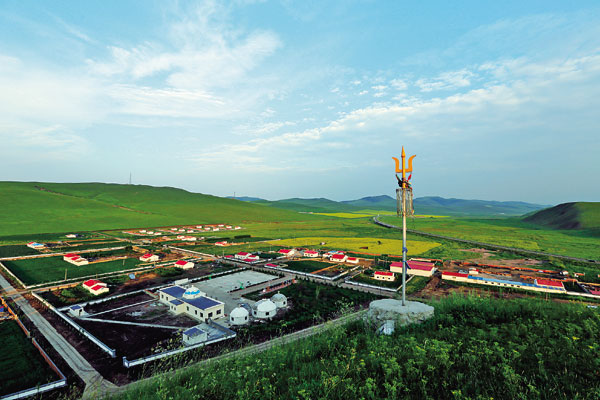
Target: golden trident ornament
404, 170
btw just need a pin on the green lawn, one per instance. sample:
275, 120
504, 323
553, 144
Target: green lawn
473, 348
510, 232
21, 364
50, 269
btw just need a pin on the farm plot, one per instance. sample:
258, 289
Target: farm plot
308, 266
21, 363
366, 245
369, 280
51, 269
15, 250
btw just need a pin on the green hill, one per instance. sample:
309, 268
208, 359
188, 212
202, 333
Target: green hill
581, 215
311, 205
34, 207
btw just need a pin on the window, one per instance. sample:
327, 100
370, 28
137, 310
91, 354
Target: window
267, 314
196, 312
188, 308
218, 312
209, 314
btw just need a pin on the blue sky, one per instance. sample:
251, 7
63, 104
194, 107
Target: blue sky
499, 100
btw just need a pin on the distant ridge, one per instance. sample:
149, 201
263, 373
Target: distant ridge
245, 198
580, 215
423, 205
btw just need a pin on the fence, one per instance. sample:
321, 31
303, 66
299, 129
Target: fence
350, 282
43, 255
229, 334
13, 275
42, 388
81, 330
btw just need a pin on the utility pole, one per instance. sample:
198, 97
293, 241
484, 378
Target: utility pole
404, 206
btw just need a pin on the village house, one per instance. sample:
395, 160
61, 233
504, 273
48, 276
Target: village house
384, 276
192, 302
184, 264
311, 253
149, 257
95, 286
338, 257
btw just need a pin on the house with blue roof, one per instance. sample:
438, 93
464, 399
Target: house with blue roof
191, 301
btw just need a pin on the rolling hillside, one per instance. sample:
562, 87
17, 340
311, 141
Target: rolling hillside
34, 207
581, 215
455, 207
318, 205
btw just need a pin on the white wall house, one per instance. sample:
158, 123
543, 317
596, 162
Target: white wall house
192, 302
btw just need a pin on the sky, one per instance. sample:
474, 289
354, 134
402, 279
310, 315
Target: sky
279, 99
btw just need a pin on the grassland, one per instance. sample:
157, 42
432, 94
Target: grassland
373, 245
34, 207
21, 364
51, 269
581, 215
511, 232
473, 348
346, 215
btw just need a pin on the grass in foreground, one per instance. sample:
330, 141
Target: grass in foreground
21, 364
472, 348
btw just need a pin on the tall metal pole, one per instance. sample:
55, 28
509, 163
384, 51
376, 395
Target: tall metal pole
403, 231
404, 249
403, 187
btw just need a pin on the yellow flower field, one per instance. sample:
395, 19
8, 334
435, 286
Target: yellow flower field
374, 245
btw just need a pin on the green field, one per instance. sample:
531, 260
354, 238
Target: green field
510, 232
307, 265
22, 365
62, 207
473, 348
51, 269
363, 244
16, 250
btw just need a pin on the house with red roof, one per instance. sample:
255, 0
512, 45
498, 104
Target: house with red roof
76, 260
223, 243
252, 258
338, 257
95, 287
69, 255
242, 255
352, 260
384, 276
310, 253
287, 252
183, 264
420, 268
550, 284
149, 257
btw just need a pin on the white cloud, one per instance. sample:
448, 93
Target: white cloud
398, 84
446, 81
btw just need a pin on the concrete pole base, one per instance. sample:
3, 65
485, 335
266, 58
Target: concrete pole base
386, 314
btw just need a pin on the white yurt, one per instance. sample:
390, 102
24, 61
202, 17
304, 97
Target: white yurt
264, 308
239, 316
280, 300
